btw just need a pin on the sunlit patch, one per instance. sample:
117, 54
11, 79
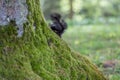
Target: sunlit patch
76, 42
112, 34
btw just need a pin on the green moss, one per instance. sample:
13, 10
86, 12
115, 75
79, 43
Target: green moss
41, 54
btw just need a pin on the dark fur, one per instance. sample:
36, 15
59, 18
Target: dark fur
58, 25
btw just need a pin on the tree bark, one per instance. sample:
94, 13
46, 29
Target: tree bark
29, 50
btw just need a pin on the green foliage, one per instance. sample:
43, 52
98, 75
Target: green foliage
99, 42
100, 8
92, 10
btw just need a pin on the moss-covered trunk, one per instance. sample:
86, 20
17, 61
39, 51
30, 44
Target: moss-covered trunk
34, 52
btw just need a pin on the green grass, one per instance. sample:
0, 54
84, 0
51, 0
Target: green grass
99, 42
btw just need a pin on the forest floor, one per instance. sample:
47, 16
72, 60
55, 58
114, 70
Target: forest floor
100, 43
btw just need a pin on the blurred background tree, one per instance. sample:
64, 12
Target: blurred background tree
50, 6
84, 11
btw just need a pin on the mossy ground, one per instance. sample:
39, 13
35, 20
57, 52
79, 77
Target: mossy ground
40, 54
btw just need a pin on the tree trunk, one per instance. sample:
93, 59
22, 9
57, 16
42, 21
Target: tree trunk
71, 9
29, 50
